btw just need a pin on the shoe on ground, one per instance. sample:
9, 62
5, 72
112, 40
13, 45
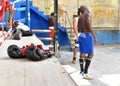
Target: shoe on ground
81, 73
88, 77
74, 61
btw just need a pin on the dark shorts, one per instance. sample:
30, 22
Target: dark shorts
86, 43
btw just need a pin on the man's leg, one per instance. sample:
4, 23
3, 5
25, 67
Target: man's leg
75, 51
74, 54
81, 61
87, 64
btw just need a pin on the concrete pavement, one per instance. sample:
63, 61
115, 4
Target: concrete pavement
104, 68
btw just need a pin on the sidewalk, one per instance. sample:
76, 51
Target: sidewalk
104, 68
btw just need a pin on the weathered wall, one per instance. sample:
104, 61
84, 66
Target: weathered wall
104, 12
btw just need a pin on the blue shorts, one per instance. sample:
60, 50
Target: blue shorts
86, 43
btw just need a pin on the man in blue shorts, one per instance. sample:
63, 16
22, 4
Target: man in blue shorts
86, 39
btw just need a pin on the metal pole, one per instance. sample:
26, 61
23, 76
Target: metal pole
56, 27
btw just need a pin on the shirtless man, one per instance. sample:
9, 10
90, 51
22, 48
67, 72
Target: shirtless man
75, 23
86, 39
51, 27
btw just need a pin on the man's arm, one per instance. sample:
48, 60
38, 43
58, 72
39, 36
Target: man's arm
75, 22
89, 23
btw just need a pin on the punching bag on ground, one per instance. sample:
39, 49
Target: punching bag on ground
42, 54
14, 52
31, 53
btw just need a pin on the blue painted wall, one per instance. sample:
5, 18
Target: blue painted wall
104, 37
108, 36
63, 37
38, 19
